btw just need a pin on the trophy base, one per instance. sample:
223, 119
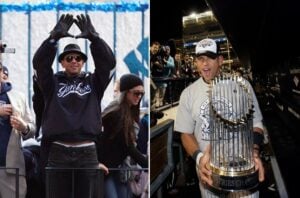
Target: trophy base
223, 184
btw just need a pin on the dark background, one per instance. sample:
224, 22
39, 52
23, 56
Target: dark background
262, 33
166, 17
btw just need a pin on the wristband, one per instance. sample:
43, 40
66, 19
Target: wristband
194, 156
198, 158
197, 155
26, 131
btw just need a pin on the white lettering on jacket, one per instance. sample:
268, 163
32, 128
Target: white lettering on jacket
79, 89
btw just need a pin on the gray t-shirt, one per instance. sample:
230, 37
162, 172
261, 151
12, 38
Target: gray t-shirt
193, 112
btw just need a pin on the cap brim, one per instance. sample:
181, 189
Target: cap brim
62, 55
208, 54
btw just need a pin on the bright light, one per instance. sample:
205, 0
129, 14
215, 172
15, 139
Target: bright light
192, 15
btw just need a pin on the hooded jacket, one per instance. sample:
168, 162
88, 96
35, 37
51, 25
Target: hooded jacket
72, 104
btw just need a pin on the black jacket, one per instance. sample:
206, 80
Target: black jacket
112, 149
72, 104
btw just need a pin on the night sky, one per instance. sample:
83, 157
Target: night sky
166, 17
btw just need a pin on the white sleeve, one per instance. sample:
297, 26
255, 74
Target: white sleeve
184, 122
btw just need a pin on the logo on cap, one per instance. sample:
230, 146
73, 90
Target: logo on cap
206, 47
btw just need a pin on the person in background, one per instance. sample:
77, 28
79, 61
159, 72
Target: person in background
156, 66
32, 146
120, 121
16, 123
116, 88
192, 119
4, 75
139, 184
143, 135
168, 65
70, 123
186, 68
156, 70
38, 106
178, 65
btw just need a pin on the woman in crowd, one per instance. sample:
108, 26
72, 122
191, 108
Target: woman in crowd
120, 121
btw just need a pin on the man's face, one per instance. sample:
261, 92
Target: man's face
186, 58
168, 50
72, 63
4, 77
1, 75
177, 57
208, 67
154, 48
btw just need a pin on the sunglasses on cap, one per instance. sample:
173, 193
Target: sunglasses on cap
137, 93
71, 57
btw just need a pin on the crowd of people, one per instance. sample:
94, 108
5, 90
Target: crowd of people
73, 144
167, 65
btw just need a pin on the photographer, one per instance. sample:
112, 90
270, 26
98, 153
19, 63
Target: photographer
163, 65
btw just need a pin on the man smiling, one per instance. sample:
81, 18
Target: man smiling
72, 111
193, 119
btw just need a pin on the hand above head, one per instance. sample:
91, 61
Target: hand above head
86, 27
62, 27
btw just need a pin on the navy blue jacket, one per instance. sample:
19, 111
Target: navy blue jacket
72, 104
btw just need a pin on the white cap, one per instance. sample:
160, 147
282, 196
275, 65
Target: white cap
207, 47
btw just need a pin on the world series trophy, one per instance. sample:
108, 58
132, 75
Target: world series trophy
231, 113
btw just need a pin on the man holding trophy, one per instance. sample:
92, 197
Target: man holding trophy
221, 128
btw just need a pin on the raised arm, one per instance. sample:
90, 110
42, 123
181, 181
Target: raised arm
45, 55
103, 56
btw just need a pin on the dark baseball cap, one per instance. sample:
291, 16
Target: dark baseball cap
72, 48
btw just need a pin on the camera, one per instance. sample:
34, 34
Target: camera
4, 49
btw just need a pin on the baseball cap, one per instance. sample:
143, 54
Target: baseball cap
207, 47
